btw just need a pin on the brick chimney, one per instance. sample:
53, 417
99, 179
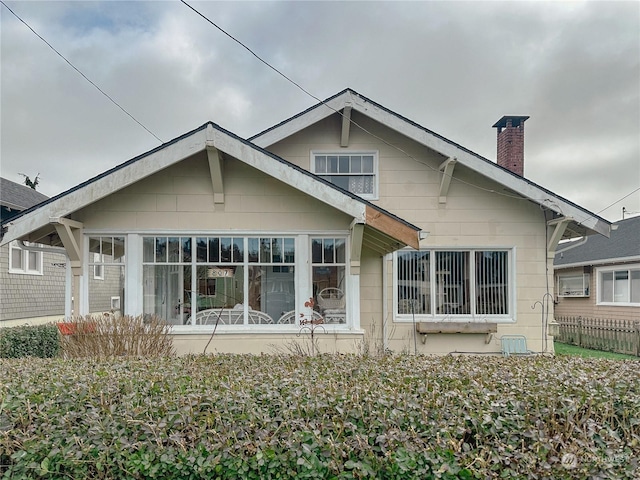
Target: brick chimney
511, 143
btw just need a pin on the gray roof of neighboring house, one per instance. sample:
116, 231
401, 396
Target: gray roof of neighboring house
623, 245
18, 197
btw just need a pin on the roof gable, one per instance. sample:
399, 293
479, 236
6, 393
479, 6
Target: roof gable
583, 222
391, 232
18, 197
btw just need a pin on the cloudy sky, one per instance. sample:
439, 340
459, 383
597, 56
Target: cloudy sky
453, 67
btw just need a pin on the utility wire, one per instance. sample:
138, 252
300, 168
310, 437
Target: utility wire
82, 74
342, 114
367, 131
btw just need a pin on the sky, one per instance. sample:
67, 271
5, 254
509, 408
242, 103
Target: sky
452, 67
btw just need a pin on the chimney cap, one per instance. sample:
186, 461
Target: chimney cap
516, 120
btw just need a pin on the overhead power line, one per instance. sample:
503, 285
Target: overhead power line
82, 74
619, 200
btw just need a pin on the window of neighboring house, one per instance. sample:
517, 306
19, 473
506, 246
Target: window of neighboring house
98, 266
24, 261
619, 286
470, 283
356, 172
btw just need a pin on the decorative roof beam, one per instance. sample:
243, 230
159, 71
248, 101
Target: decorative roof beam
446, 168
560, 225
346, 125
392, 227
70, 233
216, 162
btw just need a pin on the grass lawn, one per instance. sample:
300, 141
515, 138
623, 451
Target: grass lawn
563, 349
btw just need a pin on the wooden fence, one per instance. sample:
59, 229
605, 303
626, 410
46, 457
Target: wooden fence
612, 335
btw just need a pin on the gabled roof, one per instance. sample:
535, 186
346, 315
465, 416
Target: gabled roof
583, 222
622, 246
18, 197
384, 231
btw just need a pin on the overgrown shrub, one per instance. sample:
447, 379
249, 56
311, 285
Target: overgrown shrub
116, 336
29, 341
328, 416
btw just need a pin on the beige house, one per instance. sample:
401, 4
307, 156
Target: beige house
402, 239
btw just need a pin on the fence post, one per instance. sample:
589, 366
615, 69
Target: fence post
637, 325
580, 331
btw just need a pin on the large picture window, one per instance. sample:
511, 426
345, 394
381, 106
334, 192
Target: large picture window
355, 172
446, 284
220, 280
619, 286
107, 273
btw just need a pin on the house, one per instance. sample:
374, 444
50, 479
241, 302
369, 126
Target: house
599, 277
32, 277
395, 236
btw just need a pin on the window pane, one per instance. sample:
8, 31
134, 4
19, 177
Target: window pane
328, 250
452, 283
148, 249
225, 249
361, 184
118, 249
343, 164
356, 164
174, 249
332, 164
16, 259
254, 249
276, 250
238, 250
635, 286
329, 293
186, 249
289, 250
321, 164
316, 250
107, 247
265, 250
367, 164
414, 295
201, 249
214, 249
161, 249
491, 283
341, 181
606, 285
340, 247
621, 286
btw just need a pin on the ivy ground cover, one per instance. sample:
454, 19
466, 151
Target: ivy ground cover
329, 416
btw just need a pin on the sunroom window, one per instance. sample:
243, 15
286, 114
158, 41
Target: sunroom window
447, 284
355, 172
328, 259
220, 279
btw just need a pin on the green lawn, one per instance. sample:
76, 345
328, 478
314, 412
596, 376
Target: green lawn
565, 349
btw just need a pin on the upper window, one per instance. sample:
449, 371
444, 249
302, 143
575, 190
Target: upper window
620, 286
24, 261
356, 172
475, 283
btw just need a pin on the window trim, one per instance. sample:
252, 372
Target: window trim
458, 317
39, 271
615, 268
376, 167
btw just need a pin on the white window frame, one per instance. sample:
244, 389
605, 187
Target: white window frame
462, 317
26, 267
599, 284
376, 173
567, 279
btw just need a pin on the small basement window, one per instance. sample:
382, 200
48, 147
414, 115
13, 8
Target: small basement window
576, 285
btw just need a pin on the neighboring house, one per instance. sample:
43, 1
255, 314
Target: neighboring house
599, 277
403, 239
32, 281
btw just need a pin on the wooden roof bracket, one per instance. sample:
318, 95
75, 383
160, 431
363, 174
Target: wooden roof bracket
216, 162
446, 168
560, 224
70, 233
346, 125
357, 234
